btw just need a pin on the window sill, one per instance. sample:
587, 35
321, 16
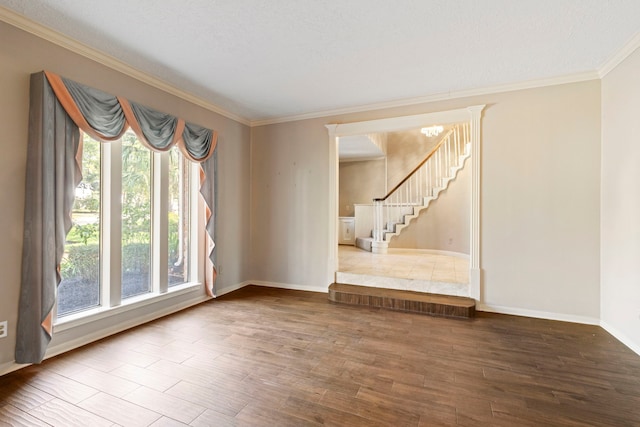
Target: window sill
88, 316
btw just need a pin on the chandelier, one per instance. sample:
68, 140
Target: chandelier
432, 131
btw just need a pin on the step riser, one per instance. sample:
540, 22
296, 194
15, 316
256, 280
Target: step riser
376, 298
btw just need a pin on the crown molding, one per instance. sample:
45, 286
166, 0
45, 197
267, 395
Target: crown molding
620, 55
55, 37
530, 84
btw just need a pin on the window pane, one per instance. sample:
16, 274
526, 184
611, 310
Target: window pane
178, 218
80, 266
136, 216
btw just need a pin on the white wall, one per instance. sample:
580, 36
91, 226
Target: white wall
620, 255
540, 216
22, 54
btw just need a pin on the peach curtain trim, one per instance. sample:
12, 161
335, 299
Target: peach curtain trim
74, 112
210, 269
47, 324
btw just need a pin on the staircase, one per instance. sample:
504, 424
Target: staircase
395, 211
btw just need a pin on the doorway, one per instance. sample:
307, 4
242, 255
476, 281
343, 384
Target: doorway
470, 115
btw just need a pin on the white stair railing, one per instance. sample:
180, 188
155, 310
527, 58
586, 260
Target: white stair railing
422, 184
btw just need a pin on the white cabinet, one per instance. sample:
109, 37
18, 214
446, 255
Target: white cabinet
347, 228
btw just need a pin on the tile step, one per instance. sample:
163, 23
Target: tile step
410, 301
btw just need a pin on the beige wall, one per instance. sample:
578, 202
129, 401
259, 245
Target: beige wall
359, 183
405, 151
620, 280
289, 182
22, 54
540, 194
362, 181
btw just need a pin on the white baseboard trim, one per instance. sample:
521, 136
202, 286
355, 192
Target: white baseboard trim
229, 289
430, 252
294, 287
122, 326
538, 314
105, 332
620, 336
9, 367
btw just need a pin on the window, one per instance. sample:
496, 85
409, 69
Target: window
178, 217
80, 267
131, 229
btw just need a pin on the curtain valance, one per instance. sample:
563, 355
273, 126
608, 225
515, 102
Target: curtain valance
106, 117
58, 109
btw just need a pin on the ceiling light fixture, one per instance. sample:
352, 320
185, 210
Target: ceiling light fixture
432, 131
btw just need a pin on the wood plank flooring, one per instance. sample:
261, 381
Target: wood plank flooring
270, 357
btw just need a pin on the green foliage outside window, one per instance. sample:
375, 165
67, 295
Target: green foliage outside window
83, 241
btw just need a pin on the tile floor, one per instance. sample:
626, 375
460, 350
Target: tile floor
405, 264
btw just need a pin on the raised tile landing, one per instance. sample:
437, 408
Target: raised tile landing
404, 269
397, 283
414, 302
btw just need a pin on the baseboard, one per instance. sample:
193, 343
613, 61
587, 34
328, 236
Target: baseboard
623, 338
289, 286
229, 289
432, 252
72, 344
538, 314
122, 326
9, 367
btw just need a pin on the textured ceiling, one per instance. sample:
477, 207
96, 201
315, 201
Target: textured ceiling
272, 59
358, 147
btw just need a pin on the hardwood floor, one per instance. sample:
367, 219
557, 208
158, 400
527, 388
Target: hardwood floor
270, 357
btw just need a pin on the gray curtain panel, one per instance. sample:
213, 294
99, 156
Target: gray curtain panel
197, 141
101, 110
52, 175
158, 128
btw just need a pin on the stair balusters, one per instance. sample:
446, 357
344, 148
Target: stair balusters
419, 187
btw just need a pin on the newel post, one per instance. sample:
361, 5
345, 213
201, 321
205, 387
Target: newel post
377, 220
379, 245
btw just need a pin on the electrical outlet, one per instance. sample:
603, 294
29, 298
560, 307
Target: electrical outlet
3, 329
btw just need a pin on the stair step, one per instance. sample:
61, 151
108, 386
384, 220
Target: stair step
410, 301
364, 243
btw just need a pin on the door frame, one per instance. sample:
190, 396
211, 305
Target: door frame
472, 114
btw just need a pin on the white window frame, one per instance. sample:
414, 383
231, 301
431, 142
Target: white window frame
111, 303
